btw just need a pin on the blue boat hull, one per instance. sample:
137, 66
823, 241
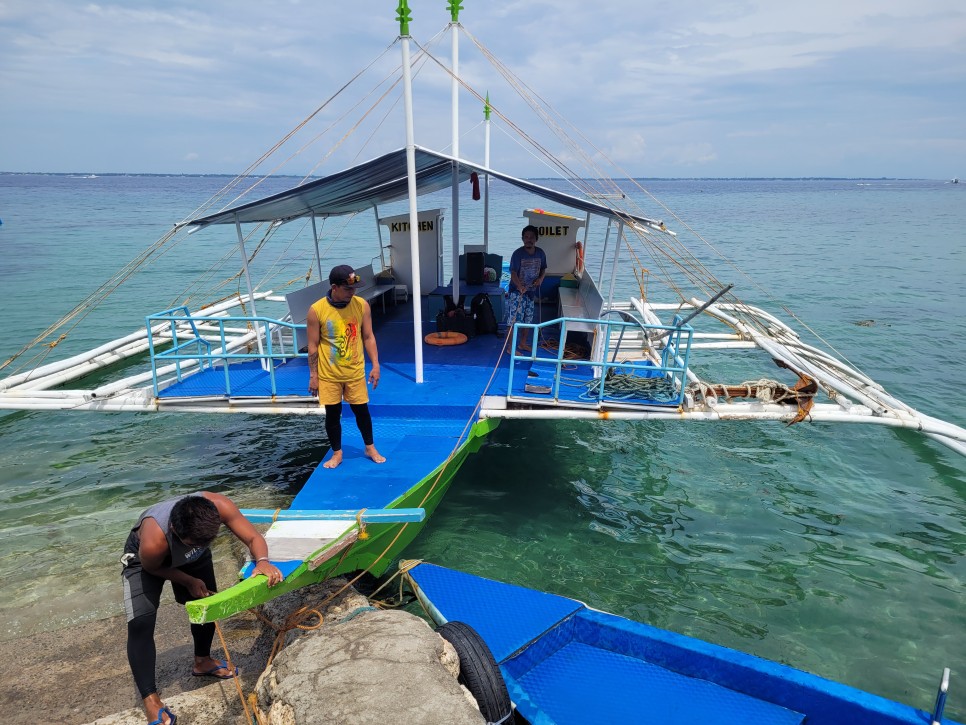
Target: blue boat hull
566, 663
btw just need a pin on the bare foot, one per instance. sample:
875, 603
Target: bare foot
334, 461
374, 455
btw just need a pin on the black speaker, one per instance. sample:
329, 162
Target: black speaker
475, 261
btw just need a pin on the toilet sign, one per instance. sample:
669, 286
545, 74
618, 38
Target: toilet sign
558, 238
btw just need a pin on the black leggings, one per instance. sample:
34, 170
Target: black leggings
142, 594
333, 423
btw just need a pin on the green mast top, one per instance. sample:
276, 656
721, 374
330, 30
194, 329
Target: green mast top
454, 9
403, 17
486, 107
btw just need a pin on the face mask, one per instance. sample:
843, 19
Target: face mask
337, 305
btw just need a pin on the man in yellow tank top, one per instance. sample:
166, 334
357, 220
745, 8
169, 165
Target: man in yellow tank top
339, 329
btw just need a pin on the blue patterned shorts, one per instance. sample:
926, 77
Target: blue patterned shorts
519, 308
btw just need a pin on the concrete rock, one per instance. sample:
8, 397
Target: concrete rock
376, 666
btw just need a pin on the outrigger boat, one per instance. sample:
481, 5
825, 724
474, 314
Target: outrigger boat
598, 357
564, 662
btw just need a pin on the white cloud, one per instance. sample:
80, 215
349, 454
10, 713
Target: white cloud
737, 88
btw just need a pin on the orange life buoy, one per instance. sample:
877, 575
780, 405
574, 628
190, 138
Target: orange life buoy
445, 338
579, 261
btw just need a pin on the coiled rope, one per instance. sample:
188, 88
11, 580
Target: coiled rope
627, 386
801, 394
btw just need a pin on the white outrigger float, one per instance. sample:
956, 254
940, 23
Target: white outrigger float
599, 357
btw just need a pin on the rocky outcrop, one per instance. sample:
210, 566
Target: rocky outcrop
360, 665
377, 667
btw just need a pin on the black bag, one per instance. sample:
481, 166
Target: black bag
481, 310
455, 307
453, 318
475, 261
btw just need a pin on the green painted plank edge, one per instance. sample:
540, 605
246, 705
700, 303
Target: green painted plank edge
374, 554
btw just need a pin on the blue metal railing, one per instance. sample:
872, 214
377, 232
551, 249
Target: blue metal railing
676, 339
192, 347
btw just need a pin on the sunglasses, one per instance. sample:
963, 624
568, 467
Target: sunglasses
350, 280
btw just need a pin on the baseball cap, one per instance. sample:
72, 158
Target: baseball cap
344, 275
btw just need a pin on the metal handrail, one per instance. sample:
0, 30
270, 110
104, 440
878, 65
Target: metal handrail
179, 316
674, 358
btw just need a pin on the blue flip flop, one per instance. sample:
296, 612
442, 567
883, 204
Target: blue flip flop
164, 711
222, 665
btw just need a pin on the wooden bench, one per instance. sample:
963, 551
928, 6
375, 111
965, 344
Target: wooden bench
583, 301
367, 288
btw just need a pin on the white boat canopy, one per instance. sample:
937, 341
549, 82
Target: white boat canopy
383, 180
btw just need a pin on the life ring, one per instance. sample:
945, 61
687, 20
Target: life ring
479, 672
579, 260
446, 337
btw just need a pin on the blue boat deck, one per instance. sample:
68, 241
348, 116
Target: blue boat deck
566, 663
454, 376
415, 426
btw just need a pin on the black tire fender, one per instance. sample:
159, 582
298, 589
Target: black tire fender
479, 672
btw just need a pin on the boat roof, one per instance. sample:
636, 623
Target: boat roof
383, 180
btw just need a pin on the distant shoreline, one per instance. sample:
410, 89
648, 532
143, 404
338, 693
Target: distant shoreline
116, 174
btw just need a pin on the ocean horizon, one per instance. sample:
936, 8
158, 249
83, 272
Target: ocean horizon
835, 549
87, 174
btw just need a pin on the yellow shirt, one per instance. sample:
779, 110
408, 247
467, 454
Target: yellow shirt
341, 356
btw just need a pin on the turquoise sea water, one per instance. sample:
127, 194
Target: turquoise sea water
838, 550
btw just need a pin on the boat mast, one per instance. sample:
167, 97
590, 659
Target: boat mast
454, 11
486, 177
404, 17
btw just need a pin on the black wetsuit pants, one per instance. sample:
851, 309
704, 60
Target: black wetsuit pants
142, 595
333, 423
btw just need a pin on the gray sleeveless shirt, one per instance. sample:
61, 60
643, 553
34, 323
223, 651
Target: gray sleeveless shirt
179, 554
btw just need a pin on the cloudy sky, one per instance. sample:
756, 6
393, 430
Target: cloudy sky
715, 88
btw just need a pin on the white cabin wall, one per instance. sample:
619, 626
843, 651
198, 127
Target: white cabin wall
430, 249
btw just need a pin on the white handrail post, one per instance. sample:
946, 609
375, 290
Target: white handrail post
318, 257
251, 290
617, 255
382, 249
603, 254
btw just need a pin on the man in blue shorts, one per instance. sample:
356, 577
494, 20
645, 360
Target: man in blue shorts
528, 267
